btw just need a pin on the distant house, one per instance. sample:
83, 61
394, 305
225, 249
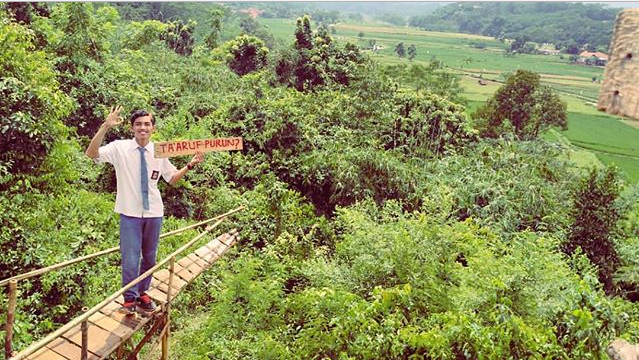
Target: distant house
593, 58
548, 52
252, 12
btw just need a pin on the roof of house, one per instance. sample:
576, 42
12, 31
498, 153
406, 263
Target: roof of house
598, 55
252, 12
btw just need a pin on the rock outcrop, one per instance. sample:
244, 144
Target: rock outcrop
619, 93
620, 349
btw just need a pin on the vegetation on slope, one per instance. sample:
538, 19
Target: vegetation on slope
570, 26
380, 222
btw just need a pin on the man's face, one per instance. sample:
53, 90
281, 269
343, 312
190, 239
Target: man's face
142, 129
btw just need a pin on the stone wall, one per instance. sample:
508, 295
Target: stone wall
619, 93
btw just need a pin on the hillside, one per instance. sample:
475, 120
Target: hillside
571, 26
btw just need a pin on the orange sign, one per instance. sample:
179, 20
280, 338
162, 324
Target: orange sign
188, 147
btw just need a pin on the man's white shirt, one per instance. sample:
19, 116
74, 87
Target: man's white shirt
125, 158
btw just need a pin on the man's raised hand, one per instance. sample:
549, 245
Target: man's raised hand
197, 158
114, 118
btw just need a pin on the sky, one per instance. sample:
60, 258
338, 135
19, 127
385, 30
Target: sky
620, 4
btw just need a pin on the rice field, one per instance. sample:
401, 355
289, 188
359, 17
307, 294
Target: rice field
596, 137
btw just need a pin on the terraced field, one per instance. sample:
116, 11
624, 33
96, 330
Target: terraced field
595, 137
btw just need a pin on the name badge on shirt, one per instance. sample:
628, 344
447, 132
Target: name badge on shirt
155, 174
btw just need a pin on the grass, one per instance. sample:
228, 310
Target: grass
629, 166
582, 159
451, 48
603, 134
597, 137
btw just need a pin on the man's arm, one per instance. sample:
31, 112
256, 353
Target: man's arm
114, 119
197, 158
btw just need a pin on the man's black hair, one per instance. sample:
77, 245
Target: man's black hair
139, 113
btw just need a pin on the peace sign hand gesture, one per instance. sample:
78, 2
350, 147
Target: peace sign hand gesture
114, 119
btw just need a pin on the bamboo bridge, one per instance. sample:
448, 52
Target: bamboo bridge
101, 331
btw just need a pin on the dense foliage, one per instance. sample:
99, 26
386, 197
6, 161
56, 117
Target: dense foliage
521, 106
30, 93
595, 217
571, 26
381, 221
400, 286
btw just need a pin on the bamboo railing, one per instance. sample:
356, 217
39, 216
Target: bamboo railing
83, 319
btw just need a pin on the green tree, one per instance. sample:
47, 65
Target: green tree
84, 38
215, 23
179, 36
430, 78
518, 44
522, 106
412, 52
323, 38
400, 50
426, 126
141, 34
467, 60
548, 110
246, 54
23, 12
595, 216
249, 26
316, 60
303, 33
495, 28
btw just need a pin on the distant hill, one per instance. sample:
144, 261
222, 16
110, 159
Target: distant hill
401, 8
571, 26
397, 13
624, 4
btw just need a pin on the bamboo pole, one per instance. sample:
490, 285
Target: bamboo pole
165, 342
85, 337
156, 343
165, 337
159, 322
34, 347
108, 251
177, 231
171, 272
58, 266
11, 313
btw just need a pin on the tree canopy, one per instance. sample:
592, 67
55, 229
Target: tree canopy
523, 105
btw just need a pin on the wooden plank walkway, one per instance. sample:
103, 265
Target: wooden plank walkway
108, 329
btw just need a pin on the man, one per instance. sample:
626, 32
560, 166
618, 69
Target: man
138, 199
